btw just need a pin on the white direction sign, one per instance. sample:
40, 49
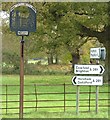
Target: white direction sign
87, 80
88, 69
95, 53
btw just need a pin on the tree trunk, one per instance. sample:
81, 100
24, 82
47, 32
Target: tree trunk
50, 59
56, 59
107, 62
75, 58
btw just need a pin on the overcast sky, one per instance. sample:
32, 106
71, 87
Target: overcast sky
4, 16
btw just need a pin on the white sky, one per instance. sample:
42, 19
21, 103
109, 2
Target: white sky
3, 16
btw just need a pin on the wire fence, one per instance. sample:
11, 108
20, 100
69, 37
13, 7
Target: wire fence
51, 97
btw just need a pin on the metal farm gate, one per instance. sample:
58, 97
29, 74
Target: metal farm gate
51, 98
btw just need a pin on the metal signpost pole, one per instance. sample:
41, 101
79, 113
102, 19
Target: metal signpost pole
21, 76
77, 100
97, 92
89, 98
90, 92
97, 95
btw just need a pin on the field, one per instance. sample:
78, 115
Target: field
70, 112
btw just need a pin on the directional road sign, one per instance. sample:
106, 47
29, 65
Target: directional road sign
87, 80
95, 53
88, 69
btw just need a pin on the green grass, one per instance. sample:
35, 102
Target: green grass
52, 112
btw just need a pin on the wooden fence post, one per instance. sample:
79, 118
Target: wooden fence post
64, 98
89, 98
6, 99
97, 95
35, 95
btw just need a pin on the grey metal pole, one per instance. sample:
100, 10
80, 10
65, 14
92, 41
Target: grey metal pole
89, 98
21, 77
97, 95
77, 100
97, 92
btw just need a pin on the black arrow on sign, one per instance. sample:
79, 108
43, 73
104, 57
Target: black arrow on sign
101, 69
74, 80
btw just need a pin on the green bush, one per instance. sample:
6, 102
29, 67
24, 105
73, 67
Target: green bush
9, 70
34, 69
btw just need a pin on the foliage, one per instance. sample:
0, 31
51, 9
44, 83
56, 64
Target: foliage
35, 69
66, 25
85, 51
11, 59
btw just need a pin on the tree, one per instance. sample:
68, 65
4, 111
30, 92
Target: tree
71, 40
76, 24
98, 26
61, 25
51, 28
84, 20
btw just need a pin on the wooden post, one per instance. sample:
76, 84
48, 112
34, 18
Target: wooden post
6, 99
64, 98
36, 95
89, 98
97, 93
77, 100
21, 77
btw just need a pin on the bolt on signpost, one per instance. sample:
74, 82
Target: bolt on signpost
22, 21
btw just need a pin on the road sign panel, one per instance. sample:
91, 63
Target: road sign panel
88, 69
95, 53
87, 80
